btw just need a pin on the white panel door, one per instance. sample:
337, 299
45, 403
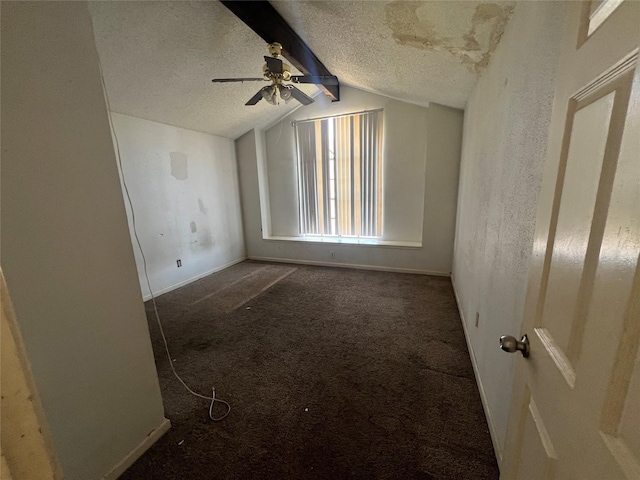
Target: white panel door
575, 410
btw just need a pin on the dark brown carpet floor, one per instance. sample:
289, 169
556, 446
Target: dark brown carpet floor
331, 374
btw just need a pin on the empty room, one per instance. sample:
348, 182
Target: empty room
320, 239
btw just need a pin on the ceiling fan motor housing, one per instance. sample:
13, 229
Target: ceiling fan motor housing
277, 77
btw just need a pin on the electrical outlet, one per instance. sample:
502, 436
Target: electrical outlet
179, 262
477, 318
333, 254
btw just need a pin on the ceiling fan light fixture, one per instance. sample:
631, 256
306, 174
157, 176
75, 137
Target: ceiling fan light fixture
285, 93
269, 94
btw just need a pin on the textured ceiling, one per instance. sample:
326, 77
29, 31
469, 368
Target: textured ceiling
159, 57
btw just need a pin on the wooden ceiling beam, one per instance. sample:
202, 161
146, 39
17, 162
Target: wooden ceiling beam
263, 19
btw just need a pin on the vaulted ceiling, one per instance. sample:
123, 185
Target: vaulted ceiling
159, 58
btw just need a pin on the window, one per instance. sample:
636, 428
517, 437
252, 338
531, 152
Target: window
340, 175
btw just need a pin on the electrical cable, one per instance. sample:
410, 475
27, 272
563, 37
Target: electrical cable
144, 263
213, 401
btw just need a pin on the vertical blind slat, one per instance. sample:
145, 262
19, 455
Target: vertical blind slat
319, 190
306, 156
363, 178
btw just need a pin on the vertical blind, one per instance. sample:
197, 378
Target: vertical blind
340, 175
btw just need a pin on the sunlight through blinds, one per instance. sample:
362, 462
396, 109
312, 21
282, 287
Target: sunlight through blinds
340, 175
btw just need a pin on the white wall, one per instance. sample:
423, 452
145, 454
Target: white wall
66, 252
505, 136
421, 161
184, 189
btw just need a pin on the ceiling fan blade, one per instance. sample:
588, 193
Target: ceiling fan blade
317, 79
223, 80
302, 97
255, 99
274, 64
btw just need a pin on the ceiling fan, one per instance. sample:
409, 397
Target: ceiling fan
277, 72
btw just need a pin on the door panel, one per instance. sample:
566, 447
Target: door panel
588, 141
540, 461
576, 405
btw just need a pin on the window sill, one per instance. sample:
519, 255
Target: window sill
364, 242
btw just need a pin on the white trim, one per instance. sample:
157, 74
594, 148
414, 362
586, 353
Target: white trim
600, 15
157, 293
361, 242
351, 265
483, 396
609, 75
137, 452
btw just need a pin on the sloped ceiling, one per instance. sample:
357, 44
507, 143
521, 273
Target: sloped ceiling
158, 58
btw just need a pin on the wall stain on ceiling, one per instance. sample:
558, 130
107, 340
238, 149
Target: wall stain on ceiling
470, 34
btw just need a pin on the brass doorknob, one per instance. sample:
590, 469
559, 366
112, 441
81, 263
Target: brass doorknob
510, 344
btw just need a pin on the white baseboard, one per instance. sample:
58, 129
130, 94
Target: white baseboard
168, 289
497, 448
350, 265
137, 452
